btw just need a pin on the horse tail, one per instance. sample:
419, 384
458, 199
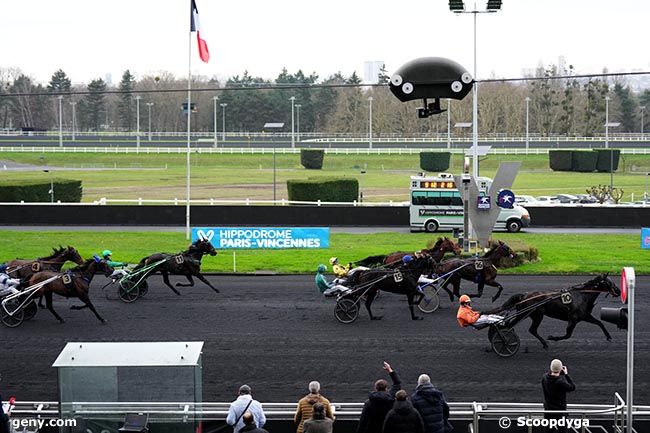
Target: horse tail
371, 261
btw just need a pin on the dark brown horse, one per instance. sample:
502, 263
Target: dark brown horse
24, 269
571, 305
73, 283
442, 246
481, 270
186, 263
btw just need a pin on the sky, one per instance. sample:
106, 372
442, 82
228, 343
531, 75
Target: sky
89, 39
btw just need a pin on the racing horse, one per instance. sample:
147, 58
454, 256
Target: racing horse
402, 280
478, 270
571, 305
20, 268
73, 283
186, 263
442, 246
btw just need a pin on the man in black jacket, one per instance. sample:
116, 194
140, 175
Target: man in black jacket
379, 402
431, 404
4, 420
555, 384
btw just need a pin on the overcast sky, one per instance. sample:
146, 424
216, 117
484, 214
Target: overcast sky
90, 38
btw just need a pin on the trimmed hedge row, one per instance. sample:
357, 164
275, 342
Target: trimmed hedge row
324, 189
584, 161
65, 190
312, 159
434, 161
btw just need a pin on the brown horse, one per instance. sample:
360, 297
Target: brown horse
571, 305
73, 283
24, 269
479, 270
186, 263
437, 252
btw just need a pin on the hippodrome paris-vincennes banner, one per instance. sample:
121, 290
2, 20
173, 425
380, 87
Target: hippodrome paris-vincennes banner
264, 237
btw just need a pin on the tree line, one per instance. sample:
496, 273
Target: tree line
568, 106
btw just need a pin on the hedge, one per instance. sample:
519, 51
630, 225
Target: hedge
312, 158
434, 161
65, 190
583, 161
605, 159
560, 160
323, 189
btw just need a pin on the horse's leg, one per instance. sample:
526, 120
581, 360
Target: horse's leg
48, 302
592, 319
369, 298
569, 331
202, 278
449, 292
492, 283
411, 298
536, 319
165, 276
190, 279
88, 303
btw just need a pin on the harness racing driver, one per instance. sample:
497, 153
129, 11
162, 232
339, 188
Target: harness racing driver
326, 288
343, 273
118, 273
468, 317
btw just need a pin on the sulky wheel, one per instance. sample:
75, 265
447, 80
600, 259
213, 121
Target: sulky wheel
14, 320
30, 310
346, 310
128, 290
505, 342
430, 300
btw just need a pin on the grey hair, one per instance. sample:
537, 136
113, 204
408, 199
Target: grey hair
314, 387
423, 379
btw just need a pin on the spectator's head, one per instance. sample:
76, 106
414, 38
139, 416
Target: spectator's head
314, 387
319, 411
381, 385
424, 379
401, 395
248, 418
556, 366
244, 390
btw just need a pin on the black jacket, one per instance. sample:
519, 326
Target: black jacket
432, 406
252, 429
403, 418
555, 389
4, 420
377, 406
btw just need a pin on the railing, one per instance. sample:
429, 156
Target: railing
242, 202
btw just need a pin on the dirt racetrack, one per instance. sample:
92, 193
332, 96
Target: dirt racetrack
277, 333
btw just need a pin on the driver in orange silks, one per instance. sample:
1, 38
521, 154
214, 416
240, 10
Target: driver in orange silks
467, 316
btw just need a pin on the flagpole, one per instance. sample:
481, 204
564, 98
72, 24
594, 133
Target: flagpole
189, 116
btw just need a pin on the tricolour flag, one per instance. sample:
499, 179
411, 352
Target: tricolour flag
196, 27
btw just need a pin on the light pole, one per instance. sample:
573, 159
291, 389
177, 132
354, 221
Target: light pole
606, 122
223, 125
149, 105
370, 122
642, 111
74, 119
293, 129
298, 122
215, 99
60, 121
448, 123
137, 120
51, 186
527, 138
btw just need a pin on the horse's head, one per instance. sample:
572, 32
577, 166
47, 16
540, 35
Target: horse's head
503, 250
604, 284
101, 266
205, 247
71, 254
449, 246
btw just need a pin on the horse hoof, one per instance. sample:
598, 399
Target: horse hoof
494, 298
545, 346
103, 322
417, 318
61, 322
216, 290
550, 337
376, 318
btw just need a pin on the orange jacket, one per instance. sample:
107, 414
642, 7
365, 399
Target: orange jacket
466, 316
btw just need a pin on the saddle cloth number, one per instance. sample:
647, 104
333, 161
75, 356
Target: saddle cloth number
478, 265
179, 259
67, 279
36, 267
398, 277
566, 298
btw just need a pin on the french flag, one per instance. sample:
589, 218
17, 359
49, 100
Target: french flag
195, 26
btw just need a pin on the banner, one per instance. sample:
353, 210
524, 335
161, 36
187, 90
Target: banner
264, 237
645, 238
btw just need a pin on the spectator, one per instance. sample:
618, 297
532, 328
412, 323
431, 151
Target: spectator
403, 418
249, 424
379, 402
431, 405
318, 423
4, 418
243, 404
305, 405
555, 384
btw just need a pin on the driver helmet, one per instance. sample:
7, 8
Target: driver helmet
107, 253
321, 268
464, 299
334, 260
406, 259
3, 268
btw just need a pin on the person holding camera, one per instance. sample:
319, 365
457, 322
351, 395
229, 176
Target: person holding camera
556, 384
